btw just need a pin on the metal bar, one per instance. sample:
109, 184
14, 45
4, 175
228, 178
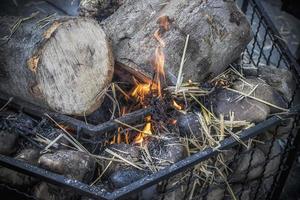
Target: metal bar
50, 177
90, 129
245, 6
100, 193
282, 45
291, 157
192, 160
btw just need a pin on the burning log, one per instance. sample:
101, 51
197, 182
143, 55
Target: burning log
218, 33
59, 63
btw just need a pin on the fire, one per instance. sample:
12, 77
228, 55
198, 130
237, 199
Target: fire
146, 131
176, 105
159, 63
159, 56
143, 90
140, 91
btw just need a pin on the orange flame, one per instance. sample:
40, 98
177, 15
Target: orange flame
146, 131
140, 91
176, 105
159, 63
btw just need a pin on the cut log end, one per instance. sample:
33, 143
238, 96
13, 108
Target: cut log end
73, 67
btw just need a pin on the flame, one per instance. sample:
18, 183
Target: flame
145, 132
159, 63
113, 141
140, 91
176, 105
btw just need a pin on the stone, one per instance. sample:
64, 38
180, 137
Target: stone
167, 150
126, 151
263, 91
280, 79
126, 176
244, 110
30, 156
14, 178
8, 142
249, 70
46, 191
240, 168
189, 126
72, 164
215, 194
242, 191
273, 156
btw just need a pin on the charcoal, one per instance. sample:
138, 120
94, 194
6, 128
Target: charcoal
8, 142
125, 176
189, 126
14, 178
73, 164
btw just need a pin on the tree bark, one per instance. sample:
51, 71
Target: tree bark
61, 63
219, 32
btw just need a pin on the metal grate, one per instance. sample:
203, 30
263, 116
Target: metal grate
266, 49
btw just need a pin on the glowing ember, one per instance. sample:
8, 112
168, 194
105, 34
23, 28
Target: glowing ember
176, 105
173, 121
113, 141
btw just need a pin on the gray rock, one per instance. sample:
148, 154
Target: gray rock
286, 127
250, 70
244, 110
30, 156
166, 150
46, 191
241, 167
274, 156
126, 151
189, 126
263, 91
72, 164
280, 79
242, 191
124, 177
8, 142
215, 194
14, 178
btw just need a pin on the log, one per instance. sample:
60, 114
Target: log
56, 62
218, 30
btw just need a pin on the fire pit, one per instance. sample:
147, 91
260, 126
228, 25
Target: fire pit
156, 137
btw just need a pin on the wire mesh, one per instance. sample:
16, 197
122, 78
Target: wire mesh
263, 50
